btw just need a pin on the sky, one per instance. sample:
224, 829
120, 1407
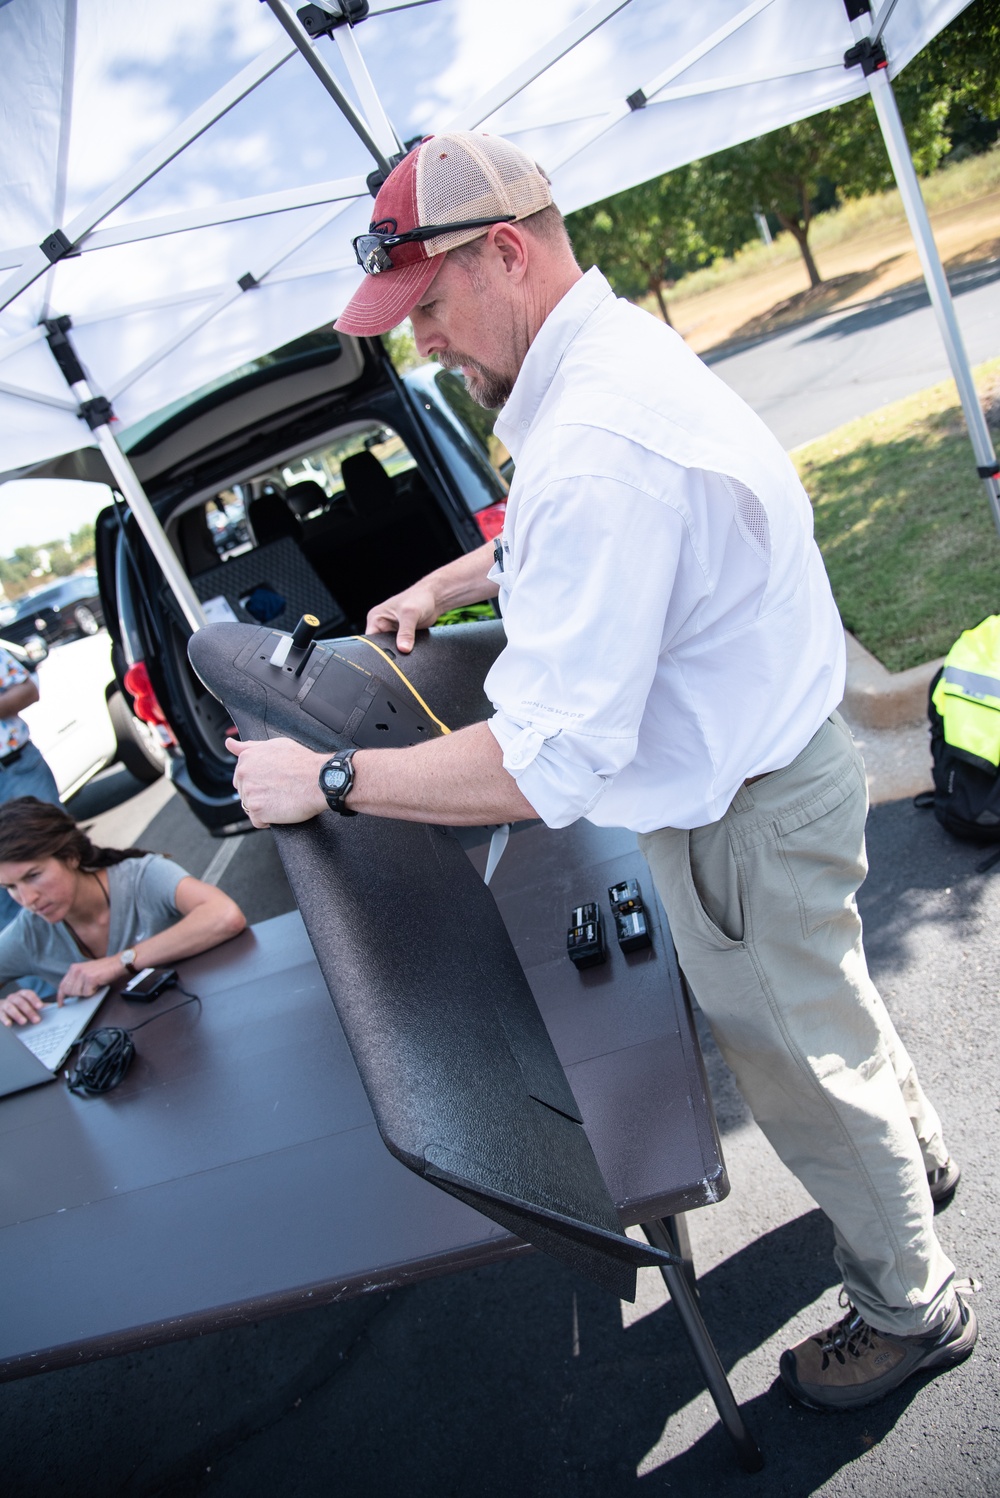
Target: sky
34, 511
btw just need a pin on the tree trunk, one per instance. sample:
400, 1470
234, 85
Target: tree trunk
800, 233
656, 287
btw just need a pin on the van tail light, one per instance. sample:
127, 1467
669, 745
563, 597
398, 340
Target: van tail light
490, 520
144, 701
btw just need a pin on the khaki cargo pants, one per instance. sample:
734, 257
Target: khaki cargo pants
762, 910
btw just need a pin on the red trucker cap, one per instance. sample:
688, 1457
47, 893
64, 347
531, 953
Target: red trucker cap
447, 179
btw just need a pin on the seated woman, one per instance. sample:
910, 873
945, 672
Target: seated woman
92, 916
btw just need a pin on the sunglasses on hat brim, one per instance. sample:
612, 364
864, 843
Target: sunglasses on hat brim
373, 249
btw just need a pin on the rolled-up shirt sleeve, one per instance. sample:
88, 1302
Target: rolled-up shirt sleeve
589, 569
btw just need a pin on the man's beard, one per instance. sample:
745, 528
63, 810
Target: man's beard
487, 387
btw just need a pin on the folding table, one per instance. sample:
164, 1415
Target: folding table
237, 1171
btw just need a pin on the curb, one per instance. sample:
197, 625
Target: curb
877, 698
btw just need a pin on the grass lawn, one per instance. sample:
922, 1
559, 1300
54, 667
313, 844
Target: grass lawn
904, 524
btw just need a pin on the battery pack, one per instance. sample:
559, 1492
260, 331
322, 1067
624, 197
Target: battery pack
585, 938
629, 915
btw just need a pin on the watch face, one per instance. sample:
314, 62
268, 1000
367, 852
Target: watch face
334, 777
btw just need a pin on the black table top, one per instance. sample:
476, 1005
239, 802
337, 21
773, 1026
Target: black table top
237, 1171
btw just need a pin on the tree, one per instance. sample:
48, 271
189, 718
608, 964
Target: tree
15, 576
963, 64
839, 152
402, 349
81, 544
61, 563
644, 235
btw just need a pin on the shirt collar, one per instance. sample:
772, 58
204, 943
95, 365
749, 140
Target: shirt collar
542, 360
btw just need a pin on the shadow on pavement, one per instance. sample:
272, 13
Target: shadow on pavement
898, 302
460, 1385
903, 301
111, 788
922, 879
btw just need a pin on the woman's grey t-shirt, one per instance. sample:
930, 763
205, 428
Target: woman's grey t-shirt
142, 893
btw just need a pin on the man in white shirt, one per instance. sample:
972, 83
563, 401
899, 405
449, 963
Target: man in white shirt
673, 663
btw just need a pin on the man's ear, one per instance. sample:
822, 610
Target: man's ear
511, 244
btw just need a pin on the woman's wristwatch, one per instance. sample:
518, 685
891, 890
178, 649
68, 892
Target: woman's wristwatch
336, 781
127, 960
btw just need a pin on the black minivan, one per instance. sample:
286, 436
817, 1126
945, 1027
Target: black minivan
313, 480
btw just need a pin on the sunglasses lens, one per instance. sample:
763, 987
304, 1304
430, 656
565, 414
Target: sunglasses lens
372, 255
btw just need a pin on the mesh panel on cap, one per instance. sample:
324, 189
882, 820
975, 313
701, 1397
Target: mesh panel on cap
475, 176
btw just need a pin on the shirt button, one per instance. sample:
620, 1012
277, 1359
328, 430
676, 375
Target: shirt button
516, 757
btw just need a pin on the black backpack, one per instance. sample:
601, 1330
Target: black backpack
966, 794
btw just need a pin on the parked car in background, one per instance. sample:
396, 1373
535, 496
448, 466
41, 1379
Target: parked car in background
29, 652
65, 610
81, 722
349, 482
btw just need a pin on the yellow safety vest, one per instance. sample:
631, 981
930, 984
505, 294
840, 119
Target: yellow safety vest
968, 693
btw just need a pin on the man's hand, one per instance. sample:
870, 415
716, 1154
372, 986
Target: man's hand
465, 580
415, 608
278, 780
23, 1007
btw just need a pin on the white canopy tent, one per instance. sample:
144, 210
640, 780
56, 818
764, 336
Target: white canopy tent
183, 181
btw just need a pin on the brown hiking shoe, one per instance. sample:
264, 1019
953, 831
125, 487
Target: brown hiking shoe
943, 1181
852, 1364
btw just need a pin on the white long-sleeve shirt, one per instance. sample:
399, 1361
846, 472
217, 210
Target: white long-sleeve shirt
670, 626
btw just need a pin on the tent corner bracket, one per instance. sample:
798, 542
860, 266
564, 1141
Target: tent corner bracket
323, 20
57, 245
870, 55
97, 412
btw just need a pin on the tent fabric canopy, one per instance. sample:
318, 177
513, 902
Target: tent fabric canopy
210, 185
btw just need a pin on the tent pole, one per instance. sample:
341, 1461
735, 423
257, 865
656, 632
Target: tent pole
96, 411
148, 522
891, 125
329, 82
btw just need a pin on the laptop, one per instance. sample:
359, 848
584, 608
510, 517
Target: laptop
32, 1054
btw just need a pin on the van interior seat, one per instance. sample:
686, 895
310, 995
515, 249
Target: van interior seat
368, 486
270, 518
280, 568
382, 535
306, 496
198, 550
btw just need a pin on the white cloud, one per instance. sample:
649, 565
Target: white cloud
34, 511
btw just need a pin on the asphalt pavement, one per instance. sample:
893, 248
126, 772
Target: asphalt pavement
808, 380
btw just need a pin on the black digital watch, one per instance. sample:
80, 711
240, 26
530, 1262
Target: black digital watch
336, 781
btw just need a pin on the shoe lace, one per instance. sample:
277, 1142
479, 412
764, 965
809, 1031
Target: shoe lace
849, 1338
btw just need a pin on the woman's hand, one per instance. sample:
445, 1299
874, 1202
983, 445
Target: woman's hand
23, 1007
83, 979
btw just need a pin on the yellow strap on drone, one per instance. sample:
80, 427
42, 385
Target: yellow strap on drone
409, 685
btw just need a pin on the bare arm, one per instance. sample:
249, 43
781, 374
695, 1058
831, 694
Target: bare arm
458, 780
417, 607
15, 699
208, 917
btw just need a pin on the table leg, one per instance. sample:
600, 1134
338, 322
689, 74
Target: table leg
682, 1294
677, 1228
